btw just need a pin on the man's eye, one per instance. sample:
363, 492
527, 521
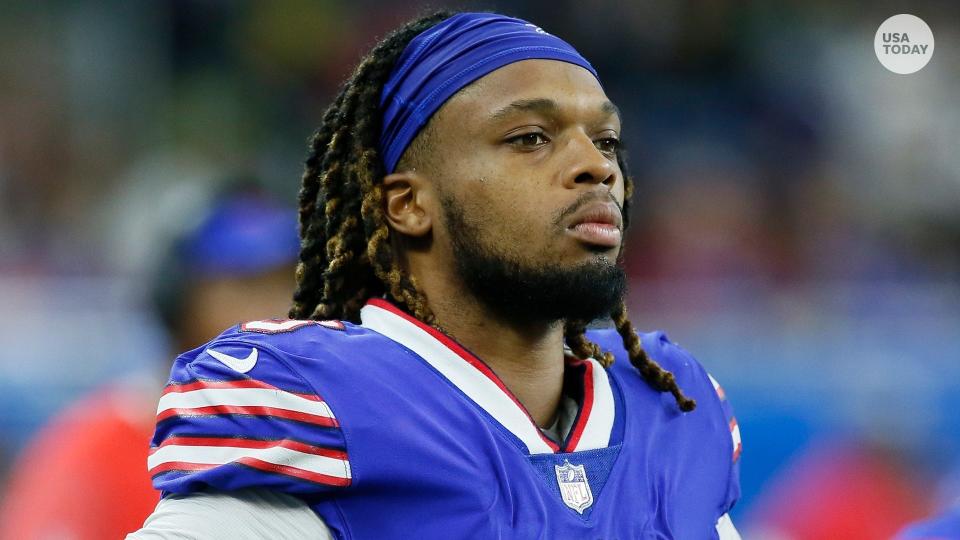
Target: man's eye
529, 139
609, 145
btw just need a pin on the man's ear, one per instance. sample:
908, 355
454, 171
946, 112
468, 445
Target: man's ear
408, 203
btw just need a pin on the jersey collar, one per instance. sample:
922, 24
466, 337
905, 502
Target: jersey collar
467, 372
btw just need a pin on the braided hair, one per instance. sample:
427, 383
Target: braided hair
346, 256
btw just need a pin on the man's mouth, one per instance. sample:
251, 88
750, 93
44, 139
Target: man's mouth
598, 224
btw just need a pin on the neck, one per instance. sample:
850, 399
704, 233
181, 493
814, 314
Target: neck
528, 357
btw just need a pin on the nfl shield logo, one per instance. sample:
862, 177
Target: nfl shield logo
574, 488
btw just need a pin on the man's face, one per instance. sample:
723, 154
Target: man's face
525, 165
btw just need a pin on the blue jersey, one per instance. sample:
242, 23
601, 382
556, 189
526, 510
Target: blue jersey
391, 426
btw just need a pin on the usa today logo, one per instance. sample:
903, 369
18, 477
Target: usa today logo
904, 44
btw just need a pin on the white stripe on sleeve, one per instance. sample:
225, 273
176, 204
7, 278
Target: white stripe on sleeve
277, 455
242, 397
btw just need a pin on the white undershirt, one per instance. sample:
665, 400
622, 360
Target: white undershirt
250, 514
563, 423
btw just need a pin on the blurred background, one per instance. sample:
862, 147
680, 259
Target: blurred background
796, 224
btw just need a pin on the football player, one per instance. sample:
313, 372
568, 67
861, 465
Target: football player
461, 217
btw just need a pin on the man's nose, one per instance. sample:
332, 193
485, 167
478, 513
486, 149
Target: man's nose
587, 163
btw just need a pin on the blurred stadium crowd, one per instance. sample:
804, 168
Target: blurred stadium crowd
796, 226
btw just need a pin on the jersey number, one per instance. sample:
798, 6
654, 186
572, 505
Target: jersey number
278, 326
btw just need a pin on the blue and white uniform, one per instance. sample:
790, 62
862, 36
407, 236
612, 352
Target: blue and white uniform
391, 428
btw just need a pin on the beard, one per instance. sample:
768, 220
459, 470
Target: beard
528, 291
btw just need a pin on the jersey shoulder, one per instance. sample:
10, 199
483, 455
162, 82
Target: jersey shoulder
670, 356
245, 410
279, 353
713, 405
291, 336
692, 377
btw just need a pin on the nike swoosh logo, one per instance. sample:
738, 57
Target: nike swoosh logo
242, 365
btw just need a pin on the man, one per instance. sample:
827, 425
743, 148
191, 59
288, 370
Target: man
461, 221
82, 477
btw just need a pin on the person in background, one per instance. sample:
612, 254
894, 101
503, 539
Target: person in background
849, 489
83, 476
945, 526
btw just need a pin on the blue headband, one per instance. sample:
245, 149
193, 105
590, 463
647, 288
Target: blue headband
445, 58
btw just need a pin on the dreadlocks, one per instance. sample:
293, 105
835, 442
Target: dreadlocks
346, 255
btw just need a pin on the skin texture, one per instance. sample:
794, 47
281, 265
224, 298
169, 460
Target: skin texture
516, 150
